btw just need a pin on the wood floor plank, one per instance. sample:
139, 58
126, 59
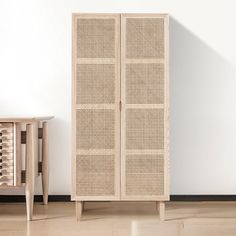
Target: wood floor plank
121, 219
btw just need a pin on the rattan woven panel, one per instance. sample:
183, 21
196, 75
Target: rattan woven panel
145, 83
95, 38
144, 174
95, 129
119, 70
145, 164
96, 175
144, 129
144, 185
6, 154
145, 38
95, 84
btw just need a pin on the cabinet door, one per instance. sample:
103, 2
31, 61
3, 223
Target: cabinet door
96, 115
144, 116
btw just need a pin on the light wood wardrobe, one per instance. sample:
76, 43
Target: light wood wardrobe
120, 108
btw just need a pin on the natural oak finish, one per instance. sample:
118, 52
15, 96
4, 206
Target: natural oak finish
30, 169
79, 209
25, 157
17, 153
140, 67
138, 50
161, 210
104, 108
22, 119
121, 219
45, 163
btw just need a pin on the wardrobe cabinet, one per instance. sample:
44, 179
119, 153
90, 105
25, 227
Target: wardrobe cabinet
120, 108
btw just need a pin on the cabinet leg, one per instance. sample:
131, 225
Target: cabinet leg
31, 158
79, 208
161, 210
45, 168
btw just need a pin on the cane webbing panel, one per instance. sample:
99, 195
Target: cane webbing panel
141, 164
146, 184
144, 129
95, 38
144, 123
144, 174
96, 175
145, 83
95, 84
95, 129
145, 38
143, 106
96, 71
6, 154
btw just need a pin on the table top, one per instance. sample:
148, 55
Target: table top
25, 119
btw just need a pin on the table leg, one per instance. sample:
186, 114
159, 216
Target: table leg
45, 168
31, 163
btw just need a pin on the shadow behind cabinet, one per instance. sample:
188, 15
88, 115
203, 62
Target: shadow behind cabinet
120, 108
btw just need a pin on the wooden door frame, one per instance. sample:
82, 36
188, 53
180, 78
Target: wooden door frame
75, 16
164, 197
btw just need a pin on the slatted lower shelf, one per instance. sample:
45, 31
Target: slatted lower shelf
6, 154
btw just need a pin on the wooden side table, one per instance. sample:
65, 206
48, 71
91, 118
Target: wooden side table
24, 155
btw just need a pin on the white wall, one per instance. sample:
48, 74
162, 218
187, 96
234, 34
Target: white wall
35, 79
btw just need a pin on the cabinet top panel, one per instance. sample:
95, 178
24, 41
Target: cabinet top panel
24, 119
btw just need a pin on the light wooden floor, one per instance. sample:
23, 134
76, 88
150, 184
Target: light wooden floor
121, 219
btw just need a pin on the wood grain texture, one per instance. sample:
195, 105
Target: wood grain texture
17, 155
23, 119
79, 210
122, 219
45, 164
30, 170
161, 210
